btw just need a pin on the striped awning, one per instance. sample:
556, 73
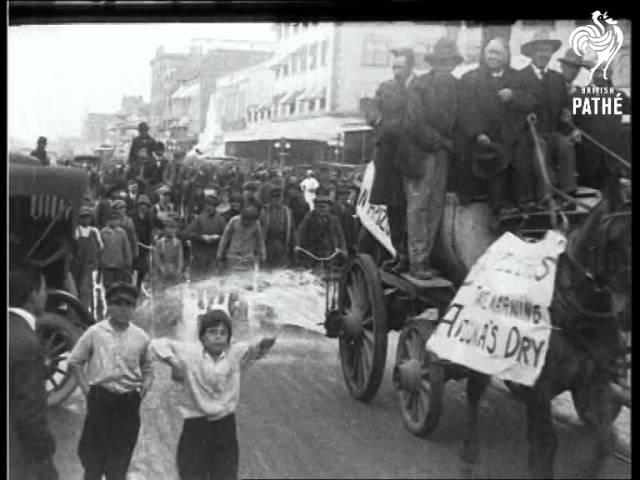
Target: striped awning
291, 97
276, 98
317, 91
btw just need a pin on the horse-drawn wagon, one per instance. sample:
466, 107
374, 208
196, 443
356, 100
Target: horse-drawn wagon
585, 343
43, 206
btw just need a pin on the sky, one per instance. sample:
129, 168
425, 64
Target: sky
58, 73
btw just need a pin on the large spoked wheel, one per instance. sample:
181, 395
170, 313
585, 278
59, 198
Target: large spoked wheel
363, 339
419, 380
57, 336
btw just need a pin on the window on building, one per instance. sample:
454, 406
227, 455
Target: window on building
285, 30
313, 56
294, 63
294, 28
303, 59
292, 108
285, 70
312, 105
323, 104
325, 49
375, 51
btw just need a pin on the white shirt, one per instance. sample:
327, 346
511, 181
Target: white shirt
309, 184
212, 386
29, 318
497, 74
538, 71
409, 80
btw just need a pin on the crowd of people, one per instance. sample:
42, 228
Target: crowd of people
166, 219
436, 133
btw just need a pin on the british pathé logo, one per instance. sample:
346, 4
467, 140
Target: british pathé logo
603, 40
598, 44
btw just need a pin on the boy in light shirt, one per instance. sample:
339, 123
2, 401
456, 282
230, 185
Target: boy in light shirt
208, 446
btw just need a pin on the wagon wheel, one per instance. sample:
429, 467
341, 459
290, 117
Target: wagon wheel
363, 340
419, 379
57, 336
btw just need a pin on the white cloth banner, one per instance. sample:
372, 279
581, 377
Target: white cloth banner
373, 217
499, 322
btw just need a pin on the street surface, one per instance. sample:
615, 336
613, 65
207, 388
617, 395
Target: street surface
297, 420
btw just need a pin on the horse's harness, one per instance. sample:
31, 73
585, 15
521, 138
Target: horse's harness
598, 265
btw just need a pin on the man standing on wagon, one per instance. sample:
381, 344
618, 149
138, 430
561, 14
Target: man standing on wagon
385, 114
429, 126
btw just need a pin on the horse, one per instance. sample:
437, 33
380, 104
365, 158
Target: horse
590, 304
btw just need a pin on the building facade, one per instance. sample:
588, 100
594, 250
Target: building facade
322, 75
175, 100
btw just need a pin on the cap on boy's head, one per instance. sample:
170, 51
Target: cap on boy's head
170, 223
85, 211
213, 318
114, 215
122, 291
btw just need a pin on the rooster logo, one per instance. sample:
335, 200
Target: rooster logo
603, 40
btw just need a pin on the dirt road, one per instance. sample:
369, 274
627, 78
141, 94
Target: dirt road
297, 420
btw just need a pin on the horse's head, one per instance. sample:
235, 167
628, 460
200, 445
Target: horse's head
603, 246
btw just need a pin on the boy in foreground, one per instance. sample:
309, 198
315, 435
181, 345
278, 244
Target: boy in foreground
208, 446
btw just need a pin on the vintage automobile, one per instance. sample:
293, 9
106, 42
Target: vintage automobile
43, 206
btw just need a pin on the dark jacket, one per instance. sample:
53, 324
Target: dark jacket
205, 225
430, 122
140, 142
390, 103
144, 228
321, 235
41, 155
30, 440
482, 112
299, 209
550, 97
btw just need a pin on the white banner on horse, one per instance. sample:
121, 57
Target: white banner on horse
499, 322
373, 217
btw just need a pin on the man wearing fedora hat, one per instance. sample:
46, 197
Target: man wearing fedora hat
385, 114
570, 66
145, 226
429, 125
552, 110
491, 127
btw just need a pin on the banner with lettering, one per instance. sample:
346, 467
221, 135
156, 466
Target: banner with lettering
373, 217
499, 323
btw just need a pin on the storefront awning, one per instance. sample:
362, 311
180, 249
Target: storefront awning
322, 129
276, 98
291, 97
187, 91
317, 91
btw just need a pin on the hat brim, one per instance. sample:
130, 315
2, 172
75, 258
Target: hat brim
573, 63
527, 48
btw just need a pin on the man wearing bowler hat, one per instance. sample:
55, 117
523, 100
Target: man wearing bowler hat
113, 370
552, 111
492, 121
429, 127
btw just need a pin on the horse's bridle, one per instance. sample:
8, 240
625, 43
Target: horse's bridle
598, 252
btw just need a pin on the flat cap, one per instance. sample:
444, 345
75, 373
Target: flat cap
122, 290
144, 200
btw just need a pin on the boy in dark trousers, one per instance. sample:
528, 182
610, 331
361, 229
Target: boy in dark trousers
114, 372
208, 446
